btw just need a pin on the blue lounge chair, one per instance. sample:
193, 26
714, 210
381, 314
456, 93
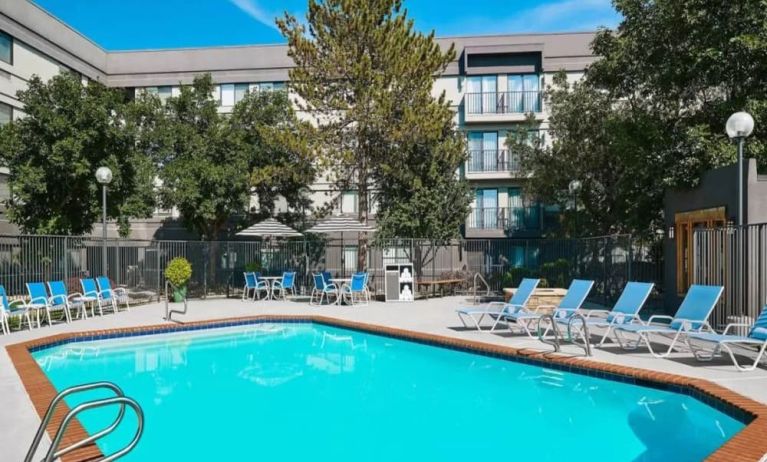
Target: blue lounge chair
322, 289
757, 336
287, 283
39, 301
625, 311
356, 292
93, 296
61, 299
9, 309
117, 296
570, 304
692, 316
495, 309
253, 284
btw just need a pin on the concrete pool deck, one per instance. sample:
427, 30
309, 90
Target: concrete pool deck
434, 316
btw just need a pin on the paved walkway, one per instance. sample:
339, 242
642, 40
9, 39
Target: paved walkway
437, 316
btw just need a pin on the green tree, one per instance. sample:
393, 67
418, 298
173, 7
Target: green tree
650, 112
70, 129
204, 170
275, 144
366, 76
606, 146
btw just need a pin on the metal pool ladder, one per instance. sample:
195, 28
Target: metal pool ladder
556, 342
119, 398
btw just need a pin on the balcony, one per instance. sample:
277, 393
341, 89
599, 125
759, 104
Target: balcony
492, 164
503, 221
502, 106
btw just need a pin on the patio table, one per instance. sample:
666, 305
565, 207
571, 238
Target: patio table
270, 280
339, 282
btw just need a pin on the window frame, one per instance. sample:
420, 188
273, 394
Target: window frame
11, 110
11, 41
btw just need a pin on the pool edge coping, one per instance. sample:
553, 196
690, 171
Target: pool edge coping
746, 445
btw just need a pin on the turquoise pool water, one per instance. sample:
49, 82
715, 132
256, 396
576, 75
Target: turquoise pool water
299, 392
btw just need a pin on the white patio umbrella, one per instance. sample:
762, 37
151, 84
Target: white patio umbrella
269, 228
340, 224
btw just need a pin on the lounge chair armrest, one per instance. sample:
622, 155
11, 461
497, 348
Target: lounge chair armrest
120, 290
11, 303
625, 318
39, 301
105, 291
539, 307
734, 324
564, 312
605, 312
659, 316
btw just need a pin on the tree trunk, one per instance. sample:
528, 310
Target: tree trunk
362, 192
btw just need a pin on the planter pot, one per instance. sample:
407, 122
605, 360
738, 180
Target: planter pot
179, 294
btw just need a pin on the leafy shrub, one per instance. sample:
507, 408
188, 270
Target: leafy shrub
253, 267
178, 271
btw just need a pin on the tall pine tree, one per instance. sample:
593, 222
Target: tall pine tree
366, 77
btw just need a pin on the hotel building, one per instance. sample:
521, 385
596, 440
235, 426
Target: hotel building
493, 85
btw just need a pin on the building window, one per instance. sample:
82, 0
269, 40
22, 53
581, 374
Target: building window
6, 114
227, 94
6, 48
240, 90
348, 202
524, 93
164, 92
482, 95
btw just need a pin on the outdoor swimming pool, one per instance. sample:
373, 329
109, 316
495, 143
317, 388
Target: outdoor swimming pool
314, 392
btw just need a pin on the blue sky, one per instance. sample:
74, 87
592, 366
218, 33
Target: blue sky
145, 24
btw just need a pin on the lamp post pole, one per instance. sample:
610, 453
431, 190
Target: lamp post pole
574, 187
104, 177
741, 142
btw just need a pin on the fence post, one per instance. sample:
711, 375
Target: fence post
631, 257
117, 261
66, 261
159, 281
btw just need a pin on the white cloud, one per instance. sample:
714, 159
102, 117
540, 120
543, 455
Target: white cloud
255, 11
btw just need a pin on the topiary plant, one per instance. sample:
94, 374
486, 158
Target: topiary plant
178, 271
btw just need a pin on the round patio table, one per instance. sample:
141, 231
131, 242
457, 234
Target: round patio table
271, 280
339, 282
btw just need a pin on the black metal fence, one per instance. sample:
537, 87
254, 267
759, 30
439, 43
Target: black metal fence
736, 258
218, 266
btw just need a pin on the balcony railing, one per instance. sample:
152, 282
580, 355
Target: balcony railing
492, 160
505, 218
507, 102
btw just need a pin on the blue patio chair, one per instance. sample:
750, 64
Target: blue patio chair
757, 336
570, 304
327, 276
39, 301
322, 289
117, 296
495, 309
692, 316
61, 299
262, 285
251, 284
12, 309
356, 292
92, 295
287, 283
625, 311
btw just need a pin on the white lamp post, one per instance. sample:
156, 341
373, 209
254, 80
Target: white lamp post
574, 187
739, 127
104, 177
